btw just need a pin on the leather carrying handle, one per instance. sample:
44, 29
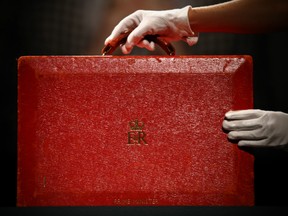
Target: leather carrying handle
167, 47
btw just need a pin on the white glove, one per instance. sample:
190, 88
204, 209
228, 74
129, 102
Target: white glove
169, 25
257, 128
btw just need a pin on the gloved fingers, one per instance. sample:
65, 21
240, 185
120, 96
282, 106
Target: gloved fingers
247, 135
253, 143
149, 45
191, 40
116, 35
244, 114
270, 128
125, 25
241, 125
126, 50
137, 35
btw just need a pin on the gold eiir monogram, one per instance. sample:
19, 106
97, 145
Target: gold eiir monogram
136, 135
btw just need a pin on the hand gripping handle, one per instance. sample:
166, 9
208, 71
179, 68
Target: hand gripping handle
167, 47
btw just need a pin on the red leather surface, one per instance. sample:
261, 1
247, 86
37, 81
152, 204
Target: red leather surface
79, 144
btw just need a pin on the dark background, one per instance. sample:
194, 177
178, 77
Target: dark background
75, 27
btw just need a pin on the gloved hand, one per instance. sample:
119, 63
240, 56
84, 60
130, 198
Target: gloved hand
169, 25
257, 128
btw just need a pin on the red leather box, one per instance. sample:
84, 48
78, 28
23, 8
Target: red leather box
132, 131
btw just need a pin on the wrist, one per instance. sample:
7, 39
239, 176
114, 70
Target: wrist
193, 19
184, 21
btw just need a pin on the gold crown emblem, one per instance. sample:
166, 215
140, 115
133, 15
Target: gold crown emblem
136, 125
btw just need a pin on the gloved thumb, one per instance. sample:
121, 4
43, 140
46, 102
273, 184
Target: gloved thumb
192, 40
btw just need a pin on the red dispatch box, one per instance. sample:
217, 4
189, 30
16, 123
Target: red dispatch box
132, 131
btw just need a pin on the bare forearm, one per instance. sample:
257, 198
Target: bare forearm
241, 16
